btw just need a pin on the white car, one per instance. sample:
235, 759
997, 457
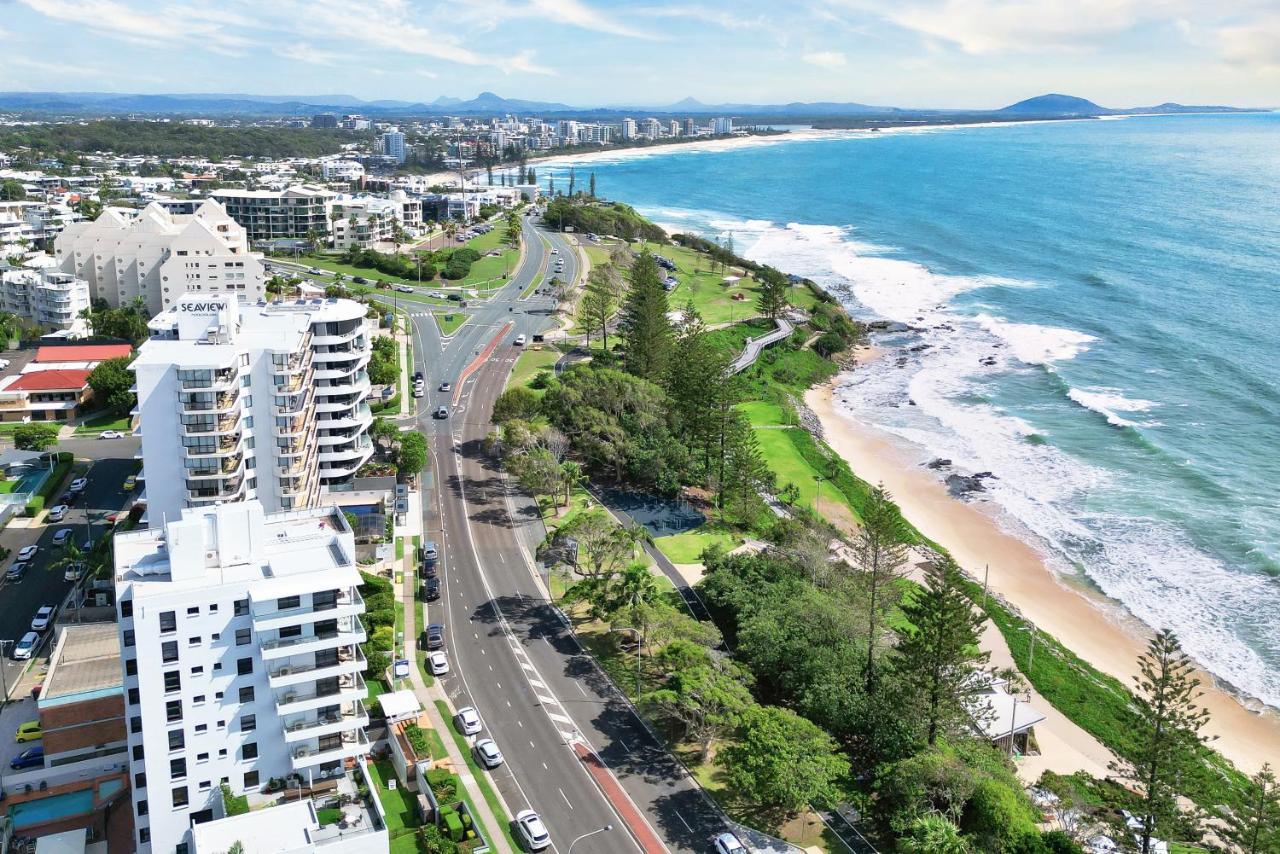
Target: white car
79, 484
439, 663
315, 271
404, 289
4, 363
23, 649
26, 553
532, 830
488, 753
727, 843
43, 618
73, 572
468, 718
61, 538
520, 339
111, 434
58, 513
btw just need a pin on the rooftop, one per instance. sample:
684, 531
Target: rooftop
82, 353
54, 380
85, 663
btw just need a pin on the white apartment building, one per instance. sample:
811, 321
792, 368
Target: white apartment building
721, 126
628, 129
47, 296
294, 213
365, 221
392, 143
158, 256
241, 402
240, 638
341, 170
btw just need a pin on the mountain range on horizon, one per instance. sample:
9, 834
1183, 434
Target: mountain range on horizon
1048, 106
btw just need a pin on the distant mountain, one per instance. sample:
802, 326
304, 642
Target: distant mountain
1055, 105
487, 102
795, 108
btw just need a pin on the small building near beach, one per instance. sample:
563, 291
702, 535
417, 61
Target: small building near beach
1004, 717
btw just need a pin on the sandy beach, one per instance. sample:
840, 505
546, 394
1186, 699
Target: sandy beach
1094, 628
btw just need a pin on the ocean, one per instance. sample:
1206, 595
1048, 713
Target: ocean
1092, 308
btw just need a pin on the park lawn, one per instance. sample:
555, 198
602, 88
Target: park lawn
789, 467
711, 297
324, 262
482, 243
400, 804
530, 362
762, 413
492, 270
106, 421
450, 321
599, 255
375, 688
688, 547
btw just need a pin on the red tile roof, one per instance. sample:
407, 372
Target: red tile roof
53, 380
82, 353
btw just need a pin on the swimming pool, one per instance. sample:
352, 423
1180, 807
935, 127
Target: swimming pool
53, 808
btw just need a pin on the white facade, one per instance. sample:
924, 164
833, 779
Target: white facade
341, 170
721, 127
240, 638
241, 402
393, 145
158, 256
365, 221
294, 213
50, 298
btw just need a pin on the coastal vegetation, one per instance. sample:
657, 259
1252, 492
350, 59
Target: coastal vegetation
169, 139
876, 674
585, 214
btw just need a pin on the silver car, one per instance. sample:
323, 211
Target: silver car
488, 753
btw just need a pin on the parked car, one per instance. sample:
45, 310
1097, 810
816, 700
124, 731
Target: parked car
487, 753
727, 843
111, 434
68, 498
28, 731
28, 552
17, 572
73, 572
26, 646
434, 636
469, 721
442, 411
32, 757
439, 663
58, 512
446, 387
418, 391
129, 483
62, 537
429, 553
315, 271
431, 589
520, 339
359, 280
532, 830
79, 484
418, 377
43, 617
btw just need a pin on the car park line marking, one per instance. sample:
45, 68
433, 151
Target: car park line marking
682, 821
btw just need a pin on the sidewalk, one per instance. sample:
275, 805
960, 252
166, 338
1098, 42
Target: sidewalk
428, 696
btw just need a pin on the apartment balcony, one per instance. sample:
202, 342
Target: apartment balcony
291, 385
267, 617
303, 727
338, 339
353, 743
349, 631
295, 426
297, 363
220, 380
359, 447
205, 491
221, 402
335, 437
357, 384
292, 700
224, 446
294, 487
299, 446
360, 418
228, 467
349, 662
212, 426
294, 403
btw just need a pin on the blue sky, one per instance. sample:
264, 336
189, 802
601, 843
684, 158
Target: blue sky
940, 53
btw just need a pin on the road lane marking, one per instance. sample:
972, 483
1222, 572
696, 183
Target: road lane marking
566, 800
682, 821
560, 718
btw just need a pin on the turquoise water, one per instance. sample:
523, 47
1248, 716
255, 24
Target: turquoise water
1124, 277
52, 808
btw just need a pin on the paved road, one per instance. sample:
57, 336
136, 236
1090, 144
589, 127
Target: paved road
112, 462
512, 654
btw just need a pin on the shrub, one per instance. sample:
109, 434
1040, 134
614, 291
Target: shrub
453, 826
35, 505
443, 784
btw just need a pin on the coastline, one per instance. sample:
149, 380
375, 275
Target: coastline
1093, 627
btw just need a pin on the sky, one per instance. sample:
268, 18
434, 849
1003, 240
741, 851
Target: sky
909, 53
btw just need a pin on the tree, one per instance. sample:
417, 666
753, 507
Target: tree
1166, 733
782, 761
11, 190
1253, 823
646, 329
881, 549
538, 471
593, 185
828, 344
772, 300
570, 476
933, 834
111, 381
516, 402
35, 436
706, 695
937, 653
600, 300
413, 452
603, 545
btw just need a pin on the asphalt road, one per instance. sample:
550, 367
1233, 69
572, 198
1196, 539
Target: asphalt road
111, 462
512, 655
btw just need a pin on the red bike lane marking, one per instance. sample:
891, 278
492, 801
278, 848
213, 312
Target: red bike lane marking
619, 800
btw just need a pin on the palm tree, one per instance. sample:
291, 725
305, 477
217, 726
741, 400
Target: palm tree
571, 475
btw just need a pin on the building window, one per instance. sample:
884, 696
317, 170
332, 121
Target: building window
169, 651
197, 700
126, 609
140, 780
251, 780
142, 807
242, 607
202, 757
131, 667
288, 602
173, 710
248, 723
128, 637
243, 636
137, 753
135, 724
196, 671
134, 697
195, 641
176, 739
291, 632
246, 694
144, 835
244, 666
172, 681
180, 797
193, 611
201, 728
249, 751
213, 609
177, 769
168, 622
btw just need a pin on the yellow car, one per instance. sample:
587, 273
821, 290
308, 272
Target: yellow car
29, 731
130, 482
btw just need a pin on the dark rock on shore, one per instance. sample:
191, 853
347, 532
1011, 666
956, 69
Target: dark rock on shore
963, 486
939, 463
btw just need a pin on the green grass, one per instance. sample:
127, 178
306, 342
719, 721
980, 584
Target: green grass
105, 421
375, 688
688, 547
7, 486
399, 548
325, 262
707, 289
7, 429
328, 816
436, 744
491, 269
791, 468
450, 322
482, 780
530, 363
762, 413
400, 804
423, 670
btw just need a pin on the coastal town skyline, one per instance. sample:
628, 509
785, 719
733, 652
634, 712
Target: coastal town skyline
972, 54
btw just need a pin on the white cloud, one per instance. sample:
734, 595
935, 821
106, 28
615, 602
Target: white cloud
303, 52
693, 12
581, 15
826, 59
1255, 47
486, 15
153, 28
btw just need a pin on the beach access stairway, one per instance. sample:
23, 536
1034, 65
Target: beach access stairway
754, 346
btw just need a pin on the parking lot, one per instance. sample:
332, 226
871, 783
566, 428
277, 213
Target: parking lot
43, 583
18, 712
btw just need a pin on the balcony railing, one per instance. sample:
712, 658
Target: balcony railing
351, 715
349, 631
346, 600
225, 424
351, 660
214, 381
351, 687
353, 743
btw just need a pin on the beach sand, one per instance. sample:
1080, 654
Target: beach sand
1091, 626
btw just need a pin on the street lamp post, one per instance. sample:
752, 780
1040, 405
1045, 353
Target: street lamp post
605, 829
4, 680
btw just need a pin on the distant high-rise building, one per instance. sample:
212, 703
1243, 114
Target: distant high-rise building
324, 120
673, 128
650, 128
392, 143
690, 127
295, 213
721, 126
628, 129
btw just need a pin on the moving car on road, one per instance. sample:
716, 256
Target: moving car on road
446, 387
442, 411
315, 271
727, 843
111, 434
79, 484
520, 339
469, 721
439, 663
488, 753
43, 617
17, 572
404, 289
24, 648
532, 830
32, 757
28, 731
